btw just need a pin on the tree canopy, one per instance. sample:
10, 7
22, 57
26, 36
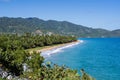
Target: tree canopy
14, 57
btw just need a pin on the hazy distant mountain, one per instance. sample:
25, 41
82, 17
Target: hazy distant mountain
22, 25
115, 33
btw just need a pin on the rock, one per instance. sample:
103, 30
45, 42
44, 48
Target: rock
9, 77
1, 72
4, 74
25, 67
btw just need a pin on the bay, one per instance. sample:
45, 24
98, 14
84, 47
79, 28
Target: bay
99, 57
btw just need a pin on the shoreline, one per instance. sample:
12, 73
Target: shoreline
54, 47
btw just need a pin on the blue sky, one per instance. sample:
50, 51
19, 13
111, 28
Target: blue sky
92, 13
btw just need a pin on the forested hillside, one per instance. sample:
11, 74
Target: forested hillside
39, 26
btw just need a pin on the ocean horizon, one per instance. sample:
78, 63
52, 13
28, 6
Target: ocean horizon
99, 57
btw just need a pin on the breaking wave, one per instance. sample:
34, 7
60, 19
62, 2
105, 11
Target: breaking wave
59, 49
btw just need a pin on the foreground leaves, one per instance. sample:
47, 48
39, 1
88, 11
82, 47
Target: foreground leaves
16, 60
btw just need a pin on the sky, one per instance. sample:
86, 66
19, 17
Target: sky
91, 13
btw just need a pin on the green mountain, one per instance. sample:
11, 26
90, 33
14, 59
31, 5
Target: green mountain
36, 25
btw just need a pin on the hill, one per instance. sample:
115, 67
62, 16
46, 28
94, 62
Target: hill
36, 25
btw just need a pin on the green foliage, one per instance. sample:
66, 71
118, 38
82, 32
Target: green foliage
85, 76
13, 56
2, 78
13, 60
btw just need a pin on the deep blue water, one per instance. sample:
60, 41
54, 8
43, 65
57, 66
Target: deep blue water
100, 57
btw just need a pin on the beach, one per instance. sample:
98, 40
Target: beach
58, 48
47, 50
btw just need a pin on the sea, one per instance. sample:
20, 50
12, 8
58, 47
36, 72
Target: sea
99, 57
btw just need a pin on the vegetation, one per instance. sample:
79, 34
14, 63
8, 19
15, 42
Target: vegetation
35, 25
15, 59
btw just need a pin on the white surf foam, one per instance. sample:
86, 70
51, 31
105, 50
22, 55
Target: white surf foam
59, 49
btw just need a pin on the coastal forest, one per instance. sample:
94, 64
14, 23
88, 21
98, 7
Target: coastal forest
18, 63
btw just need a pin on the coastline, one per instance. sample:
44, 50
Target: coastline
45, 49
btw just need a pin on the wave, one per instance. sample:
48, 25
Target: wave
59, 49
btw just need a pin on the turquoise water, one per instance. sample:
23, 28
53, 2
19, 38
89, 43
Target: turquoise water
100, 57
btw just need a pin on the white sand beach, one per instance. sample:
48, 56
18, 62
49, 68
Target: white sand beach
57, 48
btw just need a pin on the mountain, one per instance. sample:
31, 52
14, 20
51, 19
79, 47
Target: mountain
115, 33
33, 25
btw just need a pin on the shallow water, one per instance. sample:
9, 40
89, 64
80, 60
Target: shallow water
100, 57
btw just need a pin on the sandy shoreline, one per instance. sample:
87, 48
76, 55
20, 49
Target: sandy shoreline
48, 48
58, 46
